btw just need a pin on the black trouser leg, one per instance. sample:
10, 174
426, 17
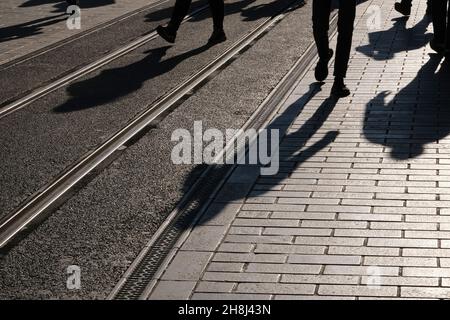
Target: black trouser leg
447, 43
321, 24
406, 3
346, 19
439, 21
180, 10
217, 11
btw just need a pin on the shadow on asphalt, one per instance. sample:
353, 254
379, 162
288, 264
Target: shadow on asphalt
61, 5
112, 84
30, 28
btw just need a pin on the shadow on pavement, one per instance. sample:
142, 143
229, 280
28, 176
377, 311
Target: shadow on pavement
417, 115
291, 157
380, 45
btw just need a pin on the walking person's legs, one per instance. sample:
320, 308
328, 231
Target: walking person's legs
439, 25
180, 10
346, 19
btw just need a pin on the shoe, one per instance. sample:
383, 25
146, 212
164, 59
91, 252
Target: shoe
217, 36
404, 10
339, 89
438, 47
73, 2
166, 34
321, 71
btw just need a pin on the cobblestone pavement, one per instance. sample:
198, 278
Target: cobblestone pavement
359, 209
29, 25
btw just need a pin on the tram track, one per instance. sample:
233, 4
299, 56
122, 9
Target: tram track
10, 107
18, 222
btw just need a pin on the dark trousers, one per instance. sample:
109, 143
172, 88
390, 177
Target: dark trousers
441, 22
321, 25
409, 2
181, 9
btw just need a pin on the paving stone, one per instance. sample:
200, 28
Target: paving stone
418, 292
324, 259
187, 266
204, 238
283, 268
297, 231
403, 243
173, 290
401, 281
338, 241
276, 288
230, 296
361, 270
316, 279
249, 257
216, 287
364, 251
383, 291
400, 261
220, 214
289, 249
240, 277
226, 267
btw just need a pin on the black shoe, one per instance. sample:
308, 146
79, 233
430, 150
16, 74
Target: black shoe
439, 48
403, 9
217, 36
339, 89
73, 2
166, 34
321, 71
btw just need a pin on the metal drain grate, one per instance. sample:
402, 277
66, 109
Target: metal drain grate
150, 263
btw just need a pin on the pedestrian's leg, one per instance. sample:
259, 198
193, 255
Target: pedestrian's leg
218, 12
439, 25
180, 10
321, 24
346, 19
447, 40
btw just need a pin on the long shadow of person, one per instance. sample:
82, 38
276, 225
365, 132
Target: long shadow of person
381, 46
29, 28
417, 115
242, 6
112, 84
61, 5
294, 156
